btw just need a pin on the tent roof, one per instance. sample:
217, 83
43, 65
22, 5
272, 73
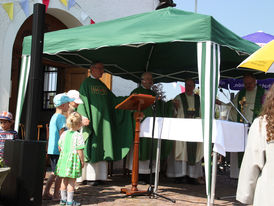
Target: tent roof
259, 37
162, 41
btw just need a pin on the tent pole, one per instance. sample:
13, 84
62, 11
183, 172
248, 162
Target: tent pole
213, 180
21, 93
157, 167
149, 57
208, 54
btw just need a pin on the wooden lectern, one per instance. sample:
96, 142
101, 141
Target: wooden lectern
137, 102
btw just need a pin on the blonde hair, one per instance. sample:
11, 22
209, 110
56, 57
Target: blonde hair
268, 112
74, 121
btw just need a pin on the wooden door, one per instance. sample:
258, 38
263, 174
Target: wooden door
75, 76
107, 79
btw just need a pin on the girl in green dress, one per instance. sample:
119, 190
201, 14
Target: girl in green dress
71, 160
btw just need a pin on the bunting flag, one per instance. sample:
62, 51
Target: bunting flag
25, 6
46, 2
183, 89
64, 2
71, 3
9, 9
92, 22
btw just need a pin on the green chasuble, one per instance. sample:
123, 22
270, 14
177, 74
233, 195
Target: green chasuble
163, 109
110, 132
191, 146
257, 104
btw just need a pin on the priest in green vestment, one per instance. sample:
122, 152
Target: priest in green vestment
162, 109
184, 163
109, 133
249, 102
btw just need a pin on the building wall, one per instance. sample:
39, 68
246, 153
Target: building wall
122, 87
99, 11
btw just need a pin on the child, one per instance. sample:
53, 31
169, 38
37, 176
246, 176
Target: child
77, 100
74, 105
71, 161
56, 128
6, 131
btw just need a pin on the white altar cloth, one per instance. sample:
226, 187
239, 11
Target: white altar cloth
227, 136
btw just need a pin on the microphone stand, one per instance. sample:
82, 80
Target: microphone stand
244, 118
233, 105
150, 191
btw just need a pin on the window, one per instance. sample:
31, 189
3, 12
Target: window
50, 86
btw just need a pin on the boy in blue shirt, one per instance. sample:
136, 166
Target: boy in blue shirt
56, 128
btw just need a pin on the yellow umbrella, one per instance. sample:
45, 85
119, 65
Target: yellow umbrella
261, 60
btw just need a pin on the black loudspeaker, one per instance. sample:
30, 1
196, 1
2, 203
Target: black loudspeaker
24, 183
36, 71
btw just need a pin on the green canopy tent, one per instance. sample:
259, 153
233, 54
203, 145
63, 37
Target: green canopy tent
171, 44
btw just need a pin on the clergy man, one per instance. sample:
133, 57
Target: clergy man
162, 109
109, 134
184, 163
249, 102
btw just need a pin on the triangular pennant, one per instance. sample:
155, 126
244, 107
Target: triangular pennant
92, 22
46, 2
64, 2
71, 3
25, 6
9, 9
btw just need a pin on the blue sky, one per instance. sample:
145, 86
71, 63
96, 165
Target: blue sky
240, 16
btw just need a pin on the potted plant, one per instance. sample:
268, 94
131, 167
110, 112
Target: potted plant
3, 171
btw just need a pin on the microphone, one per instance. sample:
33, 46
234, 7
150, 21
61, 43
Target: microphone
157, 97
221, 89
155, 101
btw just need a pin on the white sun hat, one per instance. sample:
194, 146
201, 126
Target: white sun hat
75, 95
